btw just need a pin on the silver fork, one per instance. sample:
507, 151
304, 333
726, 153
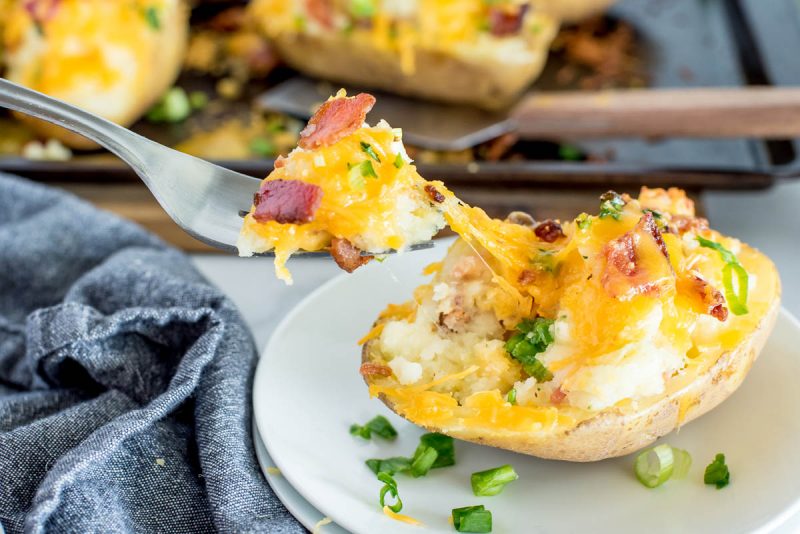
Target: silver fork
202, 198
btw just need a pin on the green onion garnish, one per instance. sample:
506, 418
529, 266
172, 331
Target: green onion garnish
511, 397
393, 465
390, 486
151, 15
174, 106
261, 146
423, 460
367, 169
569, 153
472, 519
655, 466
445, 449
533, 338
583, 221
736, 296
681, 463
355, 178
399, 161
717, 473
492, 481
362, 8
611, 205
198, 99
378, 425
369, 151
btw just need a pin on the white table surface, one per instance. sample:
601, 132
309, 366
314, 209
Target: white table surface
768, 220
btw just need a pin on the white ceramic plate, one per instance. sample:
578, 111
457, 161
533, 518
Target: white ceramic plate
307, 392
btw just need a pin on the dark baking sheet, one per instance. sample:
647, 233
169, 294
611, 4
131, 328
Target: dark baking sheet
682, 43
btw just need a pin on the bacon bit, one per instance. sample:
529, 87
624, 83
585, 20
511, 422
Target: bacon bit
434, 194
347, 256
287, 201
648, 224
42, 10
521, 218
526, 278
624, 276
712, 298
321, 11
549, 231
506, 21
374, 369
336, 119
281, 162
680, 224
557, 396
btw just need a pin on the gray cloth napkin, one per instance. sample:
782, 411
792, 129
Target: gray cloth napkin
125, 381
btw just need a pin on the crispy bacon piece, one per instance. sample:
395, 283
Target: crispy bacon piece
557, 396
434, 194
637, 262
41, 10
281, 162
336, 119
456, 318
347, 256
374, 369
549, 231
526, 277
680, 224
712, 299
321, 11
505, 21
287, 201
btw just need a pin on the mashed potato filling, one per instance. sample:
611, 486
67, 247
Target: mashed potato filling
632, 305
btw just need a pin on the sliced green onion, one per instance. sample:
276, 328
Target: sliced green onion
681, 463
367, 169
736, 296
360, 431
511, 397
655, 466
472, 519
611, 205
445, 449
423, 461
151, 15
492, 481
392, 466
717, 473
399, 161
362, 8
369, 151
390, 486
355, 178
382, 427
261, 146
174, 106
198, 99
583, 221
533, 338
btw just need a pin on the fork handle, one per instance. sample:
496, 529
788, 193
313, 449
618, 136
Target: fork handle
103, 132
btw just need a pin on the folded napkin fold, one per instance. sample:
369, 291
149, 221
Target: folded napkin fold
125, 381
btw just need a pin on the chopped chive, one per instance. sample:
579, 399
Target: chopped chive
492, 481
423, 461
369, 151
445, 448
389, 465
367, 169
399, 161
717, 472
378, 425
534, 337
511, 397
151, 15
390, 486
611, 205
472, 519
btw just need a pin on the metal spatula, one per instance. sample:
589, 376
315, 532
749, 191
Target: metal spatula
763, 112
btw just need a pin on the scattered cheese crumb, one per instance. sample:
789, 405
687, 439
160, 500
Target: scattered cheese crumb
273, 471
402, 518
161, 462
321, 523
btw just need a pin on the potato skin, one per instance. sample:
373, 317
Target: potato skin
167, 63
611, 433
437, 76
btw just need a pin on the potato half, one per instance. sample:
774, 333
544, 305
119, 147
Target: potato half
625, 367
114, 59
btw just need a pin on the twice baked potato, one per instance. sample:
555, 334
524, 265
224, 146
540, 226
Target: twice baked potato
348, 187
114, 59
466, 51
576, 341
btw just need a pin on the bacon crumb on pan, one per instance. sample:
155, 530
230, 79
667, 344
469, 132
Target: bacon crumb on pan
434, 194
374, 369
347, 256
505, 21
549, 231
336, 119
287, 201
